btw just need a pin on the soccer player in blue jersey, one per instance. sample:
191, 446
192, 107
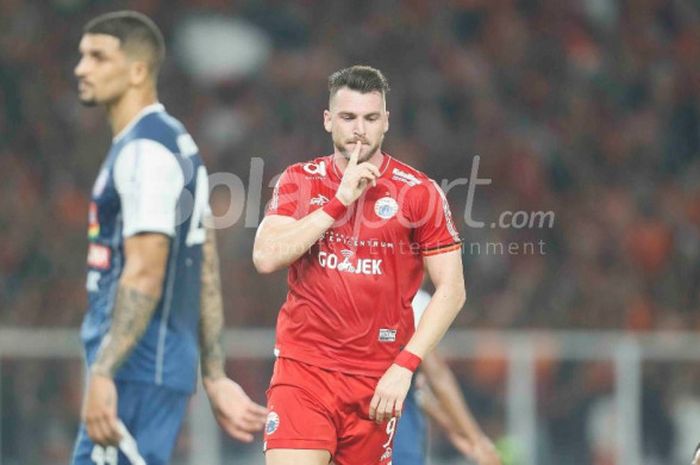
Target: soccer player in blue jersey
442, 400
155, 307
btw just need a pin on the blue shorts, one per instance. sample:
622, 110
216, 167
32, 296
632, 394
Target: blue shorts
410, 439
152, 414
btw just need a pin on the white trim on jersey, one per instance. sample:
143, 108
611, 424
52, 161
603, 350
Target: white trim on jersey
152, 108
419, 304
149, 181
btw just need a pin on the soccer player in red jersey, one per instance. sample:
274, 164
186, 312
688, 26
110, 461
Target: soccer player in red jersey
357, 229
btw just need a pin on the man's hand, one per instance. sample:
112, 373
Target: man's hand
356, 177
390, 394
100, 411
481, 450
236, 413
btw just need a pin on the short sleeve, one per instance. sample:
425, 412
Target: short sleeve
149, 181
435, 231
287, 195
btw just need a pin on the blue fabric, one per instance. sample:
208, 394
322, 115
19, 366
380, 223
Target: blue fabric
152, 414
410, 439
168, 352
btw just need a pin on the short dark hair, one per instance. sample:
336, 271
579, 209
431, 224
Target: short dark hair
132, 29
361, 78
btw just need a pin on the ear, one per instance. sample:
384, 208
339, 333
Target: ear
327, 120
386, 124
139, 72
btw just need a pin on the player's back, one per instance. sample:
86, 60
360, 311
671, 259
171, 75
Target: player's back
152, 181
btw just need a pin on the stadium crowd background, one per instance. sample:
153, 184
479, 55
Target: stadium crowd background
585, 108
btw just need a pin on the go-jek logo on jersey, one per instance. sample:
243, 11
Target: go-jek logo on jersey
366, 266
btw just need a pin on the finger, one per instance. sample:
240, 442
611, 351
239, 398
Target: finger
398, 408
355, 155
236, 433
258, 409
381, 411
372, 168
113, 434
97, 430
373, 407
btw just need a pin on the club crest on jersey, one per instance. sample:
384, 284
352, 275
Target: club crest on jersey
315, 168
386, 208
272, 423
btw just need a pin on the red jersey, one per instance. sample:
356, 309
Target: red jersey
349, 302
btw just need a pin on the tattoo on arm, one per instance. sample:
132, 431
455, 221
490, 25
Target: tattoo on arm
212, 312
132, 312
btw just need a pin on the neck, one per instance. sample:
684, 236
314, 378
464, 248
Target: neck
122, 111
341, 162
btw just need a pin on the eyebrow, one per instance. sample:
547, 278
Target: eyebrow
350, 113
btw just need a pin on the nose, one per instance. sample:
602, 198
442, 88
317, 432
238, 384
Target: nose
80, 68
360, 127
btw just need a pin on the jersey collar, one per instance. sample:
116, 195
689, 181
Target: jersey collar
152, 108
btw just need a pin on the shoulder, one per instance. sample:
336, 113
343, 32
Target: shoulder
142, 159
163, 128
417, 182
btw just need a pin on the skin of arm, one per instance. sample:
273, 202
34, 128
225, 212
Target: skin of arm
235, 412
139, 291
445, 271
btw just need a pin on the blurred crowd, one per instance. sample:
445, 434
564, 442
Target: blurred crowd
585, 108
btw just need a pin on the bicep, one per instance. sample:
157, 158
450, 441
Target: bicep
146, 254
270, 224
445, 268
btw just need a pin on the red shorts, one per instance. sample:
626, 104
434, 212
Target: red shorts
314, 408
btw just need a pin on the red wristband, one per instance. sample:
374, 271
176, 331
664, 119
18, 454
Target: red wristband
335, 208
407, 360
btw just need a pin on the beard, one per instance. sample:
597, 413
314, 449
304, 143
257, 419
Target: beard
87, 102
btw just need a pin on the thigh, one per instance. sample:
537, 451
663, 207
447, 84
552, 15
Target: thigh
299, 417
157, 422
297, 457
410, 438
151, 414
363, 441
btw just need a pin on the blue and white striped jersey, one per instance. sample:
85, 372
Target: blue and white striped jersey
152, 180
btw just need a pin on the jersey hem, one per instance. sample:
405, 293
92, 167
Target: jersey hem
349, 367
282, 443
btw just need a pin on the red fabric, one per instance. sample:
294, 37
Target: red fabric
313, 408
408, 360
335, 208
349, 302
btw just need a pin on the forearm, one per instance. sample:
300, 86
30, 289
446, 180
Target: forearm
444, 306
278, 246
211, 312
134, 306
